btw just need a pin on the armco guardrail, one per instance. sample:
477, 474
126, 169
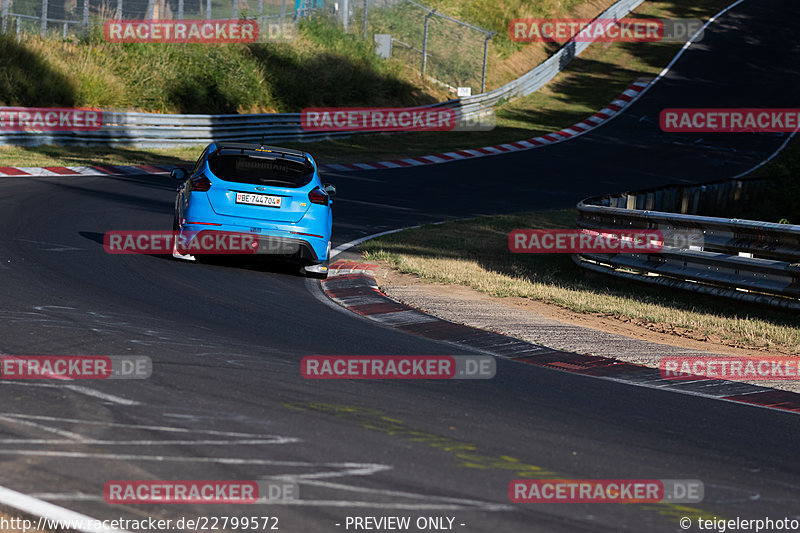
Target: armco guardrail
756, 262
165, 130
153, 129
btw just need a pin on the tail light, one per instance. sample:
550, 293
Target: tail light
201, 184
318, 196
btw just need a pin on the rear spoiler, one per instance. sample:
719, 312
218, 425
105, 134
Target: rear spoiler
287, 151
275, 150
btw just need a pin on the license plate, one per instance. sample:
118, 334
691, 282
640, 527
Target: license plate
258, 199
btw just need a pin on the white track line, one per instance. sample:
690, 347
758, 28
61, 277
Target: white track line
770, 158
79, 389
346, 246
675, 59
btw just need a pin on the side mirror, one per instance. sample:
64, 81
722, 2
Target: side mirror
329, 189
179, 174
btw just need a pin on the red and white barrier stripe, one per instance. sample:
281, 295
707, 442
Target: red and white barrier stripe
614, 108
116, 170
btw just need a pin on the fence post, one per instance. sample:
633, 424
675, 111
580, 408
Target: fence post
364, 22
119, 9
425, 42
85, 23
208, 9
44, 19
346, 14
180, 9
485, 52
5, 15
283, 10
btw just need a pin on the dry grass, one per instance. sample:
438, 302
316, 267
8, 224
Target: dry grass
474, 253
588, 84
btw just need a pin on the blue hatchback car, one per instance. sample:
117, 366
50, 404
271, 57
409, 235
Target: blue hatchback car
273, 194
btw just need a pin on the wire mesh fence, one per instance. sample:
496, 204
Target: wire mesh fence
73, 17
444, 48
440, 47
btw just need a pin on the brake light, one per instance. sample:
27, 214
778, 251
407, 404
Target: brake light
201, 184
318, 196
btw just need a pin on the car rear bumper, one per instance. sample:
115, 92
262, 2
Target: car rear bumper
306, 250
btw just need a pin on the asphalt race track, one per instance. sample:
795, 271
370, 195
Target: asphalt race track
226, 399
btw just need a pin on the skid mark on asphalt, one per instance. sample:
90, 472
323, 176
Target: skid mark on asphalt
140, 330
469, 454
309, 473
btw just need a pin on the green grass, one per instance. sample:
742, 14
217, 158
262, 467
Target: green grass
475, 253
587, 85
782, 200
323, 67
49, 155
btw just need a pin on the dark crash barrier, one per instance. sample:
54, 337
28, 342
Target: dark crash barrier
745, 260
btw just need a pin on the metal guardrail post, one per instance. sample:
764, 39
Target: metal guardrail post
235, 9
119, 10
364, 21
85, 22
208, 9
425, 42
5, 15
485, 57
180, 9
44, 19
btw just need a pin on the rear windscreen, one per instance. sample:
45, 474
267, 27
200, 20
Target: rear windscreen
260, 170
